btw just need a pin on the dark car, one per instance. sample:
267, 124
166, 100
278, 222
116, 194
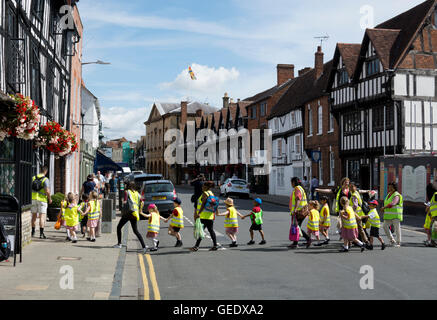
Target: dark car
161, 193
140, 178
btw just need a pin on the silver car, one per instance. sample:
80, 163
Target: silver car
160, 192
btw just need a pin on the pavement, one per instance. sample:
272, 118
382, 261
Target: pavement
58, 270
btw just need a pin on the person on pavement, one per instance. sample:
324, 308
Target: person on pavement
313, 187
206, 216
325, 218
349, 231
256, 215
393, 213
88, 186
41, 198
134, 199
298, 206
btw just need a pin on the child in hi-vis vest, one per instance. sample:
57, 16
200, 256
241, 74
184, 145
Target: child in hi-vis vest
71, 217
313, 222
374, 222
257, 221
154, 226
231, 221
176, 222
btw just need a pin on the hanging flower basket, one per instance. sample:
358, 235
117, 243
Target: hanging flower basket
56, 139
21, 120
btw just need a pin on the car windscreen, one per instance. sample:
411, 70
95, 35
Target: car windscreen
239, 182
158, 187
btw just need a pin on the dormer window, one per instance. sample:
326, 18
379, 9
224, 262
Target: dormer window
343, 77
372, 66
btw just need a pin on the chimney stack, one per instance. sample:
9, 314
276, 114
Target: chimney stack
226, 100
318, 64
303, 71
285, 72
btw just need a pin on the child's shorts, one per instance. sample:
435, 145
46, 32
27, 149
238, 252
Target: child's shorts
374, 232
176, 229
232, 230
256, 227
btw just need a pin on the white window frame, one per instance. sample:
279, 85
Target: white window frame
332, 167
310, 122
331, 123
320, 170
320, 120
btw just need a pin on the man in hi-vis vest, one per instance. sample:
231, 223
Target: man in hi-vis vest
40, 200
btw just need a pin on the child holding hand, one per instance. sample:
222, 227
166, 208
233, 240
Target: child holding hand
176, 222
257, 221
231, 221
154, 226
313, 222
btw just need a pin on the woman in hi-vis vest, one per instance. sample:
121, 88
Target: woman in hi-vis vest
206, 217
393, 213
298, 206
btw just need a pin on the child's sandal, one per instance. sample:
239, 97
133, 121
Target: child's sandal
194, 249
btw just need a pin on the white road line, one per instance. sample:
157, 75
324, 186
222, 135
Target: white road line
208, 236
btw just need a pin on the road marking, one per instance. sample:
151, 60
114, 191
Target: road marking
156, 293
144, 276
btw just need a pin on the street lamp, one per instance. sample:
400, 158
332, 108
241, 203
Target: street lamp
96, 62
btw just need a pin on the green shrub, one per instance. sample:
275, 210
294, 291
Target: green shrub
56, 200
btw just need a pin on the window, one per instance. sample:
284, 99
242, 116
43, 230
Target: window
332, 167
378, 118
35, 76
293, 119
297, 144
372, 67
38, 9
276, 124
331, 122
253, 112
279, 148
280, 177
263, 109
321, 170
310, 121
320, 120
343, 77
352, 123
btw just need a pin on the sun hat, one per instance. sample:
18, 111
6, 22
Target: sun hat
151, 206
258, 200
177, 200
229, 202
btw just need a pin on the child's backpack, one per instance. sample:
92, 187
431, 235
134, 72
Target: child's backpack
212, 203
5, 244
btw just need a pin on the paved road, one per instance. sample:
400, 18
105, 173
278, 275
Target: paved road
272, 271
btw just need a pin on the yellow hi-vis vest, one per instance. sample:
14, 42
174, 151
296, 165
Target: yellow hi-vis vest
232, 220
302, 202
205, 214
41, 194
433, 206
178, 221
375, 221
134, 198
396, 211
313, 220
359, 210
71, 216
94, 212
63, 206
154, 222
325, 217
350, 222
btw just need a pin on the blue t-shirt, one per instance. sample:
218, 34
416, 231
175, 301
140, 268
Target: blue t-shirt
88, 186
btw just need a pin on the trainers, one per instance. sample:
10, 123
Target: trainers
326, 241
363, 248
344, 250
263, 242
157, 244
213, 248
117, 246
251, 242
154, 249
68, 239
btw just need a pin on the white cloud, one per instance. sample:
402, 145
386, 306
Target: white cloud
124, 122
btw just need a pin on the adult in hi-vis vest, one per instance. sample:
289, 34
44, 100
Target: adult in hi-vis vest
298, 206
393, 213
133, 200
431, 214
40, 200
206, 217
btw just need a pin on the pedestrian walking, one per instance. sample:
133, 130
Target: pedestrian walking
88, 186
61, 216
313, 222
231, 221
374, 222
207, 208
256, 216
154, 226
325, 218
93, 213
176, 222
83, 217
41, 198
356, 202
393, 214
197, 184
298, 207
349, 231
72, 216
132, 209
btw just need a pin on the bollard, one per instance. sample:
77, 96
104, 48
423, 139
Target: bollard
113, 197
107, 216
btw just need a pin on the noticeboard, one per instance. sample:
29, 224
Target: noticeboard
10, 217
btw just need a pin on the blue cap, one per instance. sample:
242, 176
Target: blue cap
177, 200
258, 200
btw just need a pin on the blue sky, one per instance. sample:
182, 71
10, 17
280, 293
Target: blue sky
232, 45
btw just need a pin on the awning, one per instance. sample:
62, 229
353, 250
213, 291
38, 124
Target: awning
102, 163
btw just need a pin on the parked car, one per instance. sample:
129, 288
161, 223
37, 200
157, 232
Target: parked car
161, 193
138, 174
140, 178
235, 186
